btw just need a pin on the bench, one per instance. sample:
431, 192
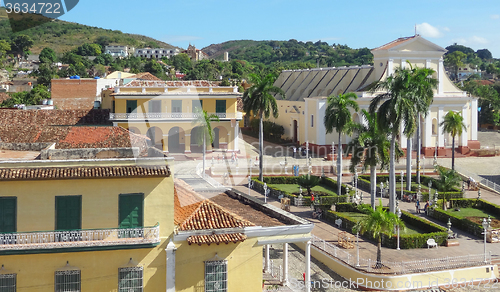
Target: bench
345, 240
338, 222
431, 242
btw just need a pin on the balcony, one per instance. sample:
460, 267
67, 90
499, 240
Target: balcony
170, 116
79, 238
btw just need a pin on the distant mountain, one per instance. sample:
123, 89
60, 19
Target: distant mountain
63, 36
291, 51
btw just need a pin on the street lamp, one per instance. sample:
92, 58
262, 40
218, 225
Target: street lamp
399, 217
265, 192
357, 246
381, 189
479, 194
250, 184
402, 188
486, 225
429, 184
435, 199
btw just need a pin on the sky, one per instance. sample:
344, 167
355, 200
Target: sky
473, 23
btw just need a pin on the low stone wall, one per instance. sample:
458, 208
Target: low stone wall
24, 146
89, 153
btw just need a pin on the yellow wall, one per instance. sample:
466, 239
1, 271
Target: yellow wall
244, 265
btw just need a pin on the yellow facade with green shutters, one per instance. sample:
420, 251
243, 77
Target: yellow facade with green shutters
167, 113
98, 249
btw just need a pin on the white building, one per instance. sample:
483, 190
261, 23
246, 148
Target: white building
119, 51
156, 53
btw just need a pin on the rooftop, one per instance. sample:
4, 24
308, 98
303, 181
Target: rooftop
395, 43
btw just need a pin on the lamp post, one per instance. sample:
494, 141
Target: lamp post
399, 217
479, 194
357, 246
449, 228
307, 152
429, 184
265, 192
435, 198
485, 227
402, 188
250, 184
381, 189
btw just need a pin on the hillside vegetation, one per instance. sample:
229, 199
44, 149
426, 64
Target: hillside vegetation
64, 36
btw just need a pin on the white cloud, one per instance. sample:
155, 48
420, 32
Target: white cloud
472, 41
446, 28
427, 30
495, 16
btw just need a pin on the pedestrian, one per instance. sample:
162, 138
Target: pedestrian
426, 207
417, 205
294, 151
312, 198
468, 183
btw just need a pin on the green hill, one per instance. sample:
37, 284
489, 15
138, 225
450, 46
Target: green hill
63, 36
291, 51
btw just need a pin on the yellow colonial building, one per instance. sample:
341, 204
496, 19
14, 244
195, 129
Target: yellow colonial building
86, 225
166, 111
302, 111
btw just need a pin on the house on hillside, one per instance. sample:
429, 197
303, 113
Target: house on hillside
302, 110
195, 54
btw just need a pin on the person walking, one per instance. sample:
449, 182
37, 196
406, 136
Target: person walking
417, 205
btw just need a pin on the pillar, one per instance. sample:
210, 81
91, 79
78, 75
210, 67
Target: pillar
441, 76
465, 133
165, 143
285, 264
267, 259
170, 251
308, 267
439, 128
474, 120
187, 143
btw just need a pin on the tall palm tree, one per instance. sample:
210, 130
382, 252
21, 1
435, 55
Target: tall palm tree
423, 85
338, 117
453, 124
397, 106
377, 222
204, 120
371, 148
259, 99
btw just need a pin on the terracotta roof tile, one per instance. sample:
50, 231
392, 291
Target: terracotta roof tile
41, 173
216, 238
395, 43
185, 201
146, 76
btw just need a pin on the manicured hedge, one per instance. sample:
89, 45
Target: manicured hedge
435, 231
463, 223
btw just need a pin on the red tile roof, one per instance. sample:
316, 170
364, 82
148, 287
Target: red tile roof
185, 201
146, 76
191, 83
395, 43
216, 238
79, 172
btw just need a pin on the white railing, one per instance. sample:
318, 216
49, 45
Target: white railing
407, 267
79, 238
208, 178
479, 178
159, 116
490, 184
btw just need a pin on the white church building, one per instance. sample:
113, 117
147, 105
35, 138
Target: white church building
302, 112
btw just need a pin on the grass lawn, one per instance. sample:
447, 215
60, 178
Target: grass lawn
471, 212
294, 188
410, 229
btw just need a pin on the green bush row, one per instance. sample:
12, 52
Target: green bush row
293, 180
424, 180
407, 241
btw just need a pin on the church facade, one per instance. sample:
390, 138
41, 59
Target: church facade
302, 110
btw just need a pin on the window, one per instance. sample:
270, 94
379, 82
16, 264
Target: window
216, 276
8, 282
154, 106
220, 106
312, 121
68, 212
131, 210
177, 106
130, 279
131, 106
8, 207
68, 281
197, 105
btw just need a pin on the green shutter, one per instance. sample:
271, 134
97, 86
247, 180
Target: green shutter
68, 212
131, 210
8, 214
131, 106
220, 106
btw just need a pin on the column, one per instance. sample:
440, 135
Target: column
441, 76
165, 143
390, 66
187, 143
439, 129
170, 251
267, 260
474, 121
427, 141
465, 133
308, 267
285, 264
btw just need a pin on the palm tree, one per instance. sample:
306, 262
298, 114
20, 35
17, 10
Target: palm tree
204, 120
370, 147
308, 181
448, 179
423, 87
259, 99
399, 106
378, 222
453, 124
338, 117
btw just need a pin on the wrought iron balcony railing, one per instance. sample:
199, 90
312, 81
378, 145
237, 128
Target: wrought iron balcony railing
79, 238
173, 116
